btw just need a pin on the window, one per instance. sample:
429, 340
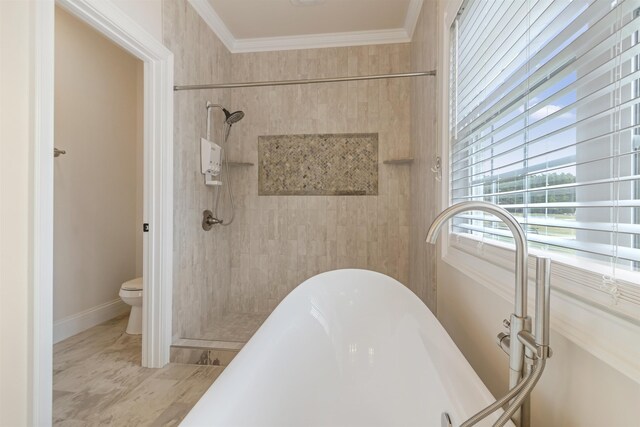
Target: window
545, 121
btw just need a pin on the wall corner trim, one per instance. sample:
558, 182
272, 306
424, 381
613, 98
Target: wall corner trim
213, 20
413, 14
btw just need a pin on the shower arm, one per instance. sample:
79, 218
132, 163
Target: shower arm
211, 105
520, 344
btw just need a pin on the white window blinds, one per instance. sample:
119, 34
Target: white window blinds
545, 121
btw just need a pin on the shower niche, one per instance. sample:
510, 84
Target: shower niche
318, 165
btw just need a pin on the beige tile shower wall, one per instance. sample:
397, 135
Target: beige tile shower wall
279, 241
201, 259
424, 187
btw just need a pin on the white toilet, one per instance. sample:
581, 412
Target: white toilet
131, 293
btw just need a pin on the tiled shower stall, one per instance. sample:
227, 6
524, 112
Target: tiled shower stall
229, 279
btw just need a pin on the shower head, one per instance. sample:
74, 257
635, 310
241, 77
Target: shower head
231, 118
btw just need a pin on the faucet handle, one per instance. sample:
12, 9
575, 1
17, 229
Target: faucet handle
504, 342
543, 295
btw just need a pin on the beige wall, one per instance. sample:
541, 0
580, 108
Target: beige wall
251, 265
201, 258
424, 187
279, 241
16, 142
577, 389
97, 239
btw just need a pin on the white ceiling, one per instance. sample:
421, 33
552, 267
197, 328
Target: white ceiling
259, 25
248, 19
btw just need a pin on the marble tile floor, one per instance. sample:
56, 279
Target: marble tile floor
98, 380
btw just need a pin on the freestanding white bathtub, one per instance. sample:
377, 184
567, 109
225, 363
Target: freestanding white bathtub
345, 348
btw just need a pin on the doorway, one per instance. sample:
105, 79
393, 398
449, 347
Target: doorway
98, 179
113, 23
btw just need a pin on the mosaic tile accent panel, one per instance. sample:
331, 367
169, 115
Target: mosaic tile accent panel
318, 165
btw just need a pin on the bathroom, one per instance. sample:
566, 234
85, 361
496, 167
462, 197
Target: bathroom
407, 147
98, 178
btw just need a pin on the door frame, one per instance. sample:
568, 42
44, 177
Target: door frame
113, 23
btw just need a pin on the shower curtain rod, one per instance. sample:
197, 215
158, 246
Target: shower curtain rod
304, 81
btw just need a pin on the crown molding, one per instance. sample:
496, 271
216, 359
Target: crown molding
213, 20
413, 14
307, 41
315, 41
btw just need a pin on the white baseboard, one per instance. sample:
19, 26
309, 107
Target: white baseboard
76, 323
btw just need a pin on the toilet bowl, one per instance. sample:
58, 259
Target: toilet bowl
131, 293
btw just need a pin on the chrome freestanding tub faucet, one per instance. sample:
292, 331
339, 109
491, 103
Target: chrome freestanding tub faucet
527, 352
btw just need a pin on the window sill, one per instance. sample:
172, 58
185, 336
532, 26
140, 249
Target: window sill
603, 323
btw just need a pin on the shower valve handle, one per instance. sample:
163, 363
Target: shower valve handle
208, 220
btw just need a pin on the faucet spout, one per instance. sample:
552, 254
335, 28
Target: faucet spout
514, 227
519, 343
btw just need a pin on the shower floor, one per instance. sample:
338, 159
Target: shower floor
233, 327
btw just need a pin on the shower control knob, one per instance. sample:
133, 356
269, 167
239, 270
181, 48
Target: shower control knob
208, 220
506, 324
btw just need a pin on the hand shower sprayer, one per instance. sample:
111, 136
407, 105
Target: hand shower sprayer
212, 218
229, 118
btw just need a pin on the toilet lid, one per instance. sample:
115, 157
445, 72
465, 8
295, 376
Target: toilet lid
132, 285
